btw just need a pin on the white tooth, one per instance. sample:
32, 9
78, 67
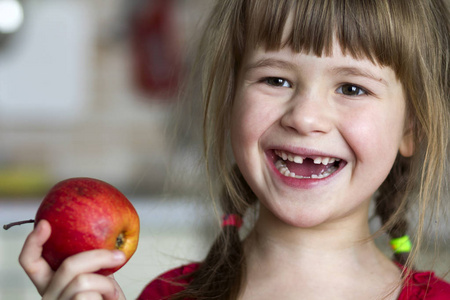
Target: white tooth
285, 171
280, 164
330, 171
325, 160
298, 159
332, 160
284, 155
318, 160
290, 157
338, 159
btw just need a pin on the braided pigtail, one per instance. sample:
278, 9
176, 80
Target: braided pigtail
391, 205
220, 274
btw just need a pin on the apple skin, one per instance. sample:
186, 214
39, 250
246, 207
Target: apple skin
87, 214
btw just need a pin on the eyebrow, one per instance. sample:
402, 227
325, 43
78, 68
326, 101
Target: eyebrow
358, 72
270, 62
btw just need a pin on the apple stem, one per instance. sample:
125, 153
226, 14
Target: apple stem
8, 226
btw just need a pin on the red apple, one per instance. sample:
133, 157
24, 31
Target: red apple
87, 214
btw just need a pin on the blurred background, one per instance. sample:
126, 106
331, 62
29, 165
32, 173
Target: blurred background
89, 88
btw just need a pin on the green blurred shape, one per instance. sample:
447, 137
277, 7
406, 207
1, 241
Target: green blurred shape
23, 182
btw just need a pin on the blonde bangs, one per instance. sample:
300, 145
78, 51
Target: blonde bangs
364, 29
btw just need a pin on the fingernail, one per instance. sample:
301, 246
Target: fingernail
38, 227
118, 255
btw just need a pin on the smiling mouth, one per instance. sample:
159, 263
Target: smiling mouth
305, 167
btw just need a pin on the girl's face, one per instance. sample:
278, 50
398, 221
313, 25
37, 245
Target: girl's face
316, 136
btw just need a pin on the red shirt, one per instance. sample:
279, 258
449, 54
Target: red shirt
418, 286
162, 287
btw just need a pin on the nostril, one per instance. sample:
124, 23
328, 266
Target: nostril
308, 118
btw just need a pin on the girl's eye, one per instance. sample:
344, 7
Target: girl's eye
276, 81
351, 90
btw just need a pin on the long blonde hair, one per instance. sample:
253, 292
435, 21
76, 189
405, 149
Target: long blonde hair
410, 36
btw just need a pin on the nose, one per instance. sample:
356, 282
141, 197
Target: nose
308, 115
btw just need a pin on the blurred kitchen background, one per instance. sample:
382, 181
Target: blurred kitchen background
90, 88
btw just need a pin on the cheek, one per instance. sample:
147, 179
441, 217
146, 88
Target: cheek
250, 118
375, 136
239, 131
244, 137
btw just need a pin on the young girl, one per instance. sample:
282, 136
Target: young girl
312, 108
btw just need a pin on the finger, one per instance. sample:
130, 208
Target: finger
88, 296
93, 285
121, 295
82, 263
31, 258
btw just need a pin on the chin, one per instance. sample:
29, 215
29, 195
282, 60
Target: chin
294, 215
302, 221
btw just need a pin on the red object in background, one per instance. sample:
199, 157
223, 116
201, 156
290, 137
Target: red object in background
156, 49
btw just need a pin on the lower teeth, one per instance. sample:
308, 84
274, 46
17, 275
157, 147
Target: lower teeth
281, 166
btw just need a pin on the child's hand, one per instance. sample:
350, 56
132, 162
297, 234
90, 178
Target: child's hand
75, 277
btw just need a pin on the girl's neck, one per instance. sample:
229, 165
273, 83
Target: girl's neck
331, 254
309, 247
346, 235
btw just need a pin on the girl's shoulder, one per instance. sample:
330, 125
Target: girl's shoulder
425, 286
169, 283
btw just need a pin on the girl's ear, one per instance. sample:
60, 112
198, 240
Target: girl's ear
407, 143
